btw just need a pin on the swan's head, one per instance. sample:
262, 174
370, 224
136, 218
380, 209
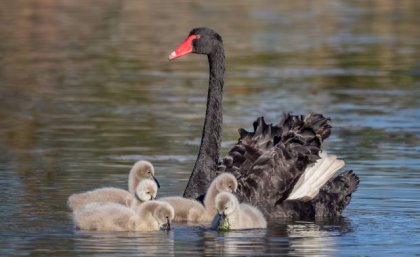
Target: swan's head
144, 170
146, 190
226, 203
226, 182
199, 41
163, 213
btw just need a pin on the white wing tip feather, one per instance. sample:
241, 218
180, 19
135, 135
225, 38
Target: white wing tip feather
314, 177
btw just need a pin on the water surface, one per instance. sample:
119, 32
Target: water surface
86, 90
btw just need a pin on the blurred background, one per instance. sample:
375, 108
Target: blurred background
86, 90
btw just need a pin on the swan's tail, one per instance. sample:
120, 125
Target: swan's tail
335, 195
314, 177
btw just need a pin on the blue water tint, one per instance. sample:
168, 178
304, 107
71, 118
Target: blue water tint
86, 90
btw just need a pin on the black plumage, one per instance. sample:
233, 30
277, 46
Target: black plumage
268, 161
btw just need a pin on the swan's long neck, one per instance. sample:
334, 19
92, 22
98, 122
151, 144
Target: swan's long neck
205, 166
236, 215
209, 200
133, 180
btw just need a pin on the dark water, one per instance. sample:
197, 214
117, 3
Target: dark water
86, 90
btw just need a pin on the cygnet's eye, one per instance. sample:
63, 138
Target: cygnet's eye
149, 172
148, 192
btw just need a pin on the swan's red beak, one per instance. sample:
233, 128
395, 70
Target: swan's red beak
184, 48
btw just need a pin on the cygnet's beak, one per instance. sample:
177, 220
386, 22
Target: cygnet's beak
223, 216
166, 226
157, 182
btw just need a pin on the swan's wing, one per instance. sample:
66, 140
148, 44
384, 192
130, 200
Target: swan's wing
335, 195
268, 161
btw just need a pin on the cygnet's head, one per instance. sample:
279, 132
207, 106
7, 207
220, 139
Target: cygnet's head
146, 190
144, 170
226, 203
226, 182
163, 213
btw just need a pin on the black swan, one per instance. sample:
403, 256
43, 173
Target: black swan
272, 162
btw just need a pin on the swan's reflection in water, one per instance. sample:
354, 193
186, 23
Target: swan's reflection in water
240, 242
280, 238
295, 239
309, 238
156, 243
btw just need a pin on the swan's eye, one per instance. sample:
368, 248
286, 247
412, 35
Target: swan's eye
148, 193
